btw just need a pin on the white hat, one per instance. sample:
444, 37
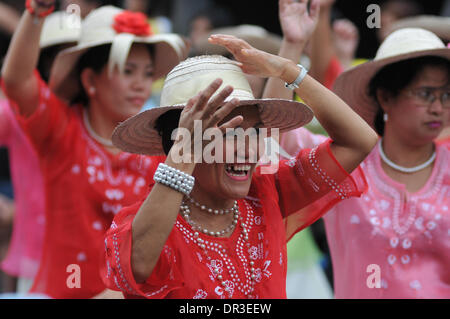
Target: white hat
404, 44
436, 24
59, 28
139, 135
120, 28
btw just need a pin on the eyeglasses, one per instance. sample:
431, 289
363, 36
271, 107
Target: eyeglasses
426, 96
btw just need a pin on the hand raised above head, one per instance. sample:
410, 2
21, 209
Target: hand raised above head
251, 60
296, 22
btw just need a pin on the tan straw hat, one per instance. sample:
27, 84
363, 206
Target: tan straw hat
404, 44
256, 36
59, 28
187, 79
120, 28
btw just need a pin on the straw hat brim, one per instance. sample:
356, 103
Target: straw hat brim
436, 24
138, 134
64, 78
353, 85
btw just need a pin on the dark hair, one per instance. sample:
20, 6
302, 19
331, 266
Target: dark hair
47, 57
395, 77
96, 59
165, 125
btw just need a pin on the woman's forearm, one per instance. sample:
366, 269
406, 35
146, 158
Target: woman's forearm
322, 48
275, 87
20, 63
154, 222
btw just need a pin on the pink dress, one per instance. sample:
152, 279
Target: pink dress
407, 235
402, 237
25, 248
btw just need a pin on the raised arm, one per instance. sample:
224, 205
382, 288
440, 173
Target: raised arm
21, 61
297, 26
353, 139
322, 47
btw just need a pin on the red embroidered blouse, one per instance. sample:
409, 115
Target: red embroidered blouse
194, 265
85, 187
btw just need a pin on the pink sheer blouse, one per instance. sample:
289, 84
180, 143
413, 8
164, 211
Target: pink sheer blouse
391, 243
25, 249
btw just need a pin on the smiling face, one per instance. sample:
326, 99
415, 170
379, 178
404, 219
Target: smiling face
410, 117
121, 96
231, 179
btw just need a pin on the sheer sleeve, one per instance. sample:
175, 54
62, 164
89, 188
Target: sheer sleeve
116, 271
294, 141
311, 183
47, 124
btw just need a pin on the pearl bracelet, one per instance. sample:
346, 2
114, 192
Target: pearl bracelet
173, 178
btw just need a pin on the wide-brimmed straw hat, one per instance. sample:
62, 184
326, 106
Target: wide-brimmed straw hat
120, 28
59, 28
404, 44
256, 36
436, 24
186, 80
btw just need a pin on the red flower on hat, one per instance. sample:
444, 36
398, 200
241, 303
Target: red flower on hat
132, 22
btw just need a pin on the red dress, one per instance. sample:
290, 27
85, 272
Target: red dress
85, 187
200, 266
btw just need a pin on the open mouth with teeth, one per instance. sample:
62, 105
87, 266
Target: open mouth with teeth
238, 171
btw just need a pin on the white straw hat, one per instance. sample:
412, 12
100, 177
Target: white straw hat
256, 36
120, 28
436, 24
187, 79
59, 28
404, 44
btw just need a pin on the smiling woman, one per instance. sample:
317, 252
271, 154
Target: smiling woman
108, 76
225, 221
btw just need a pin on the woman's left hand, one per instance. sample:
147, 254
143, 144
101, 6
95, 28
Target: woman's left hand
251, 60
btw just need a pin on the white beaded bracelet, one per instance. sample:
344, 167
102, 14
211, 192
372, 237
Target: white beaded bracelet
174, 178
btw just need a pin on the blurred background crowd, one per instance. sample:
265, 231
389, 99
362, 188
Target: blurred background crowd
310, 274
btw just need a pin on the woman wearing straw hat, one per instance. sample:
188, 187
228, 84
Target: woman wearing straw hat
107, 76
401, 227
25, 248
218, 229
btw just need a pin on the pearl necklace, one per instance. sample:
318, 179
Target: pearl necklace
214, 211
186, 212
95, 136
252, 275
401, 168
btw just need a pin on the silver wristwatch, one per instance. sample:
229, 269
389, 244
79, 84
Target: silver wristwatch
299, 79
